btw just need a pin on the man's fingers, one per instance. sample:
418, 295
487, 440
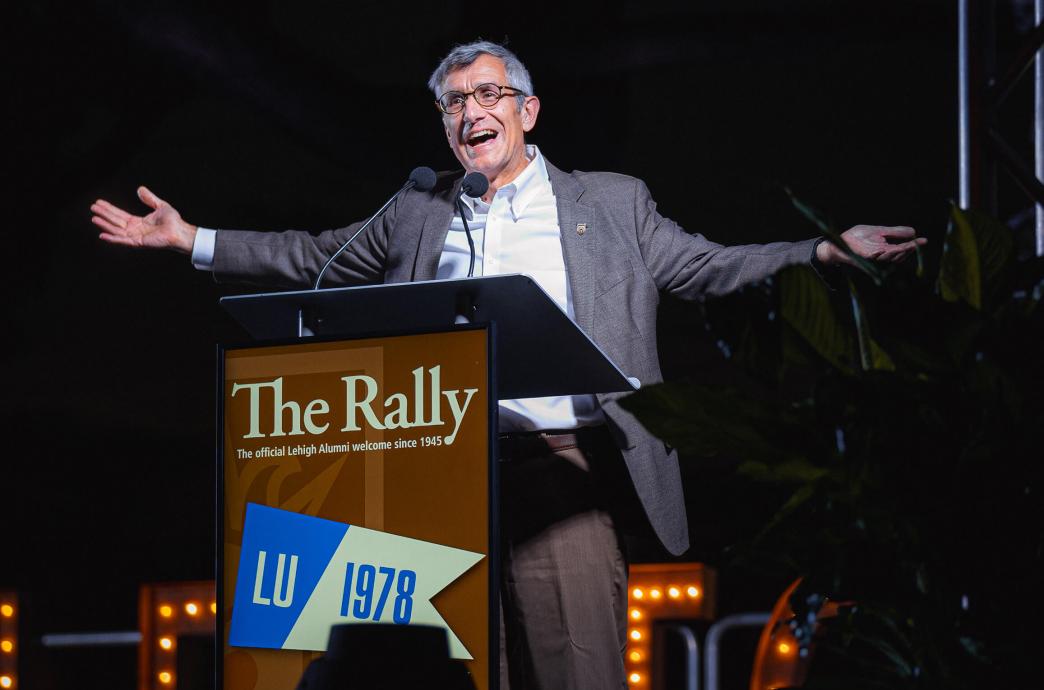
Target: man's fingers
117, 239
111, 214
106, 226
897, 252
112, 234
898, 232
115, 214
148, 198
909, 246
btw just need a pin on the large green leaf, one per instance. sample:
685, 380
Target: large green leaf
871, 356
807, 306
959, 274
922, 334
793, 470
978, 258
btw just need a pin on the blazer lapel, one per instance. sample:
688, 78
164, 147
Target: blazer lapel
575, 221
434, 229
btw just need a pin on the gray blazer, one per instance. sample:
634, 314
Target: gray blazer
619, 255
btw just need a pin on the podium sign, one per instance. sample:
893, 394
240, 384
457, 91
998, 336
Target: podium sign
356, 484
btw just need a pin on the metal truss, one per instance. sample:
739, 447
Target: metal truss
983, 87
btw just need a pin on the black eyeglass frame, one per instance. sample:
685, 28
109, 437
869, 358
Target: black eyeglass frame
464, 97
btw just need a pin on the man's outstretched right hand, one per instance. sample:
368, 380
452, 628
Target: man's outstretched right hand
161, 229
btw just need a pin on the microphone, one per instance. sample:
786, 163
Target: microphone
422, 179
474, 184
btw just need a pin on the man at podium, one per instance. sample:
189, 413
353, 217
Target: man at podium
597, 245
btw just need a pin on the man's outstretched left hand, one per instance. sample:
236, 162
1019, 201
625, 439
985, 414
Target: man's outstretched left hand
872, 242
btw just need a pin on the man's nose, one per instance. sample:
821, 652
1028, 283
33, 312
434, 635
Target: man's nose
472, 110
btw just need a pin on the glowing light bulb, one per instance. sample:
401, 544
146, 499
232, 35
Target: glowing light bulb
165, 677
635, 656
635, 678
637, 593
6, 682
655, 593
6, 646
784, 649
166, 643
213, 607
6, 610
636, 615
673, 592
636, 635
166, 611
192, 608
693, 591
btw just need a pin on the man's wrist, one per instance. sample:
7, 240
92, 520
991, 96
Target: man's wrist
825, 253
188, 239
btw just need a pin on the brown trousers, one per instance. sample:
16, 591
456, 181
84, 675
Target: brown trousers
564, 572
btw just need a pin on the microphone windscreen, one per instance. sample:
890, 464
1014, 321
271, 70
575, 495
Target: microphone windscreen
475, 184
423, 178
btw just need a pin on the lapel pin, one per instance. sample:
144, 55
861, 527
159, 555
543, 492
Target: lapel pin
581, 228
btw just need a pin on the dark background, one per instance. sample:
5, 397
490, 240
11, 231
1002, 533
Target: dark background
278, 114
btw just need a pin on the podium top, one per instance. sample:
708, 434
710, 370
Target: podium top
540, 351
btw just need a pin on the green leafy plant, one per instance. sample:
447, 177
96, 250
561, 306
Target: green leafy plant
904, 416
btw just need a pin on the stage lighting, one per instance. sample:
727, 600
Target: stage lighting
666, 591
160, 625
8, 639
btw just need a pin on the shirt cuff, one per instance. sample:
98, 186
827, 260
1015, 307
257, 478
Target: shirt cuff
203, 249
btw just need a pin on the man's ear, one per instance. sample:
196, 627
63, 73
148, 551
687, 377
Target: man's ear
530, 110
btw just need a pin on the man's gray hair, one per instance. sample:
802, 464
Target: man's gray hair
463, 55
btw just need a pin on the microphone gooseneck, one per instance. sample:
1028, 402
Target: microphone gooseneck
474, 184
421, 178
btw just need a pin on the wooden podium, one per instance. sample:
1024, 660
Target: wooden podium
357, 474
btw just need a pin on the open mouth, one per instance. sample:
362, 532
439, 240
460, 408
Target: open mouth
481, 136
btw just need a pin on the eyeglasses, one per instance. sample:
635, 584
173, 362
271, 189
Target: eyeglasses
486, 95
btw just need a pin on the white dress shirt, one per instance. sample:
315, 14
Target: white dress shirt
517, 232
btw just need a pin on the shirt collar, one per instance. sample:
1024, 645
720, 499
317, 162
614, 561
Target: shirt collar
520, 192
